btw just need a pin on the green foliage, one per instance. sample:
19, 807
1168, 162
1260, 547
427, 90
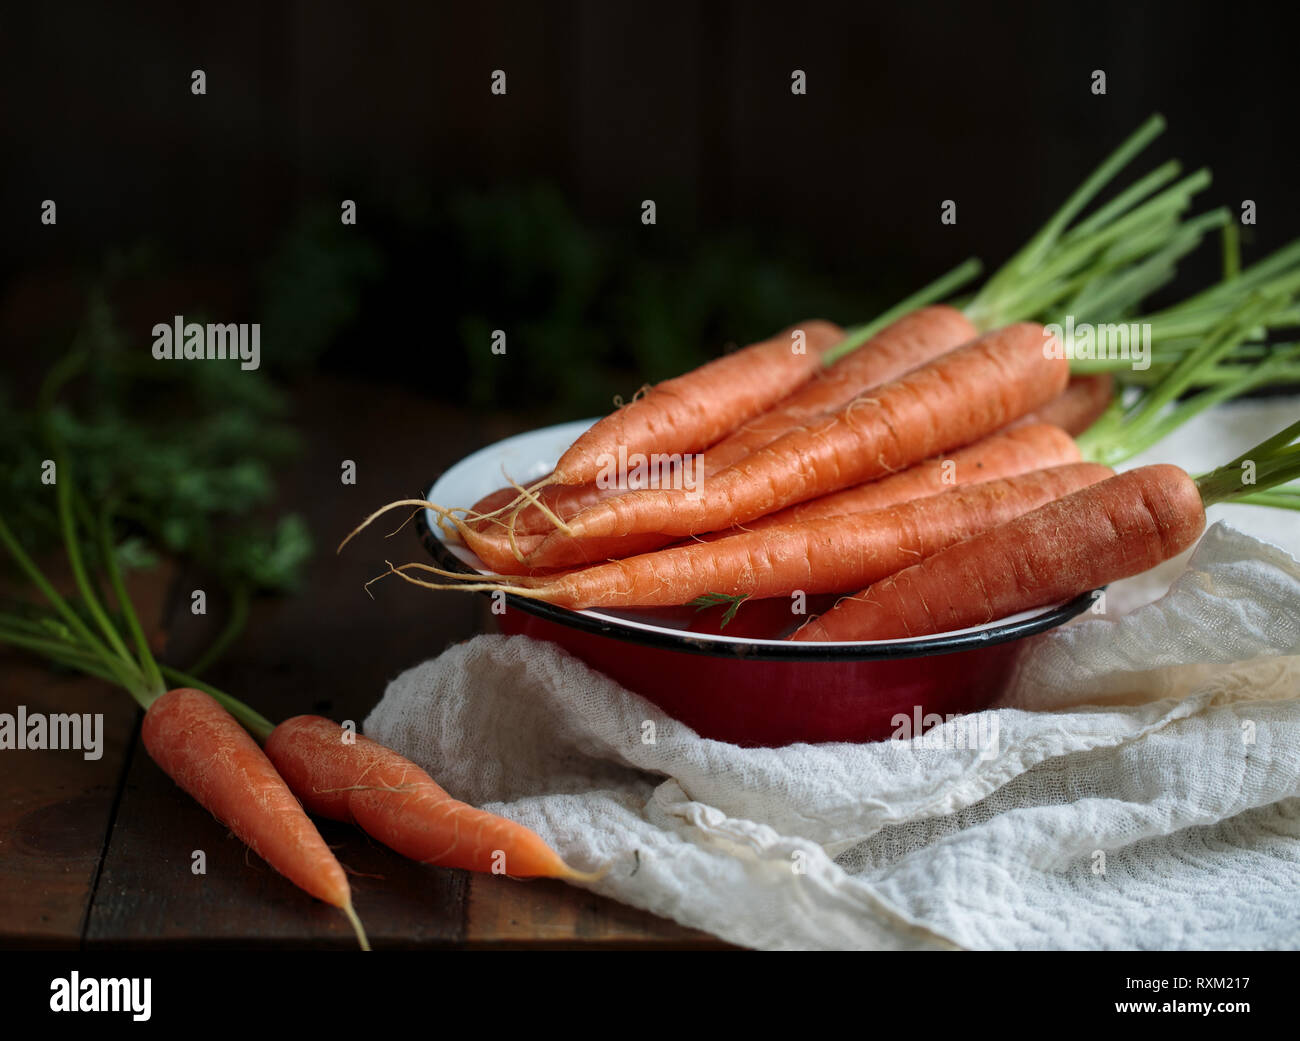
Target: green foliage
593, 312
185, 452
707, 600
312, 285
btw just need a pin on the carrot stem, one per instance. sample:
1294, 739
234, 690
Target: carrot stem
1028, 257
240, 599
1277, 498
63, 653
1252, 277
1231, 240
940, 288
253, 721
1126, 289
1086, 192
1121, 433
128, 677
68, 526
1271, 462
1224, 390
1125, 200
148, 664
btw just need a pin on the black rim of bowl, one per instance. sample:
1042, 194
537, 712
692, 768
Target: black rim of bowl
693, 643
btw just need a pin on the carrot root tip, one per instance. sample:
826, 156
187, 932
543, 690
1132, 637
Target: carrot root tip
357, 927
442, 512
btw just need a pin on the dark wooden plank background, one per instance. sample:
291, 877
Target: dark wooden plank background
907, 104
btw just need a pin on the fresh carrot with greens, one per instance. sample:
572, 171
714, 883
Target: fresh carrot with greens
200, 737
348, 777
1016, 450
807, 454
1120, 527
947, 403
1062, 262
195, 738
912, 340
1097, 267
203, 748
690, 412
826, 555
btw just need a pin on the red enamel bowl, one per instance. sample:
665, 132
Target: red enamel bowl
744, 684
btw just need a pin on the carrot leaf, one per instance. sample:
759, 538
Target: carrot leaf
703, 603
1273, 461
939, 289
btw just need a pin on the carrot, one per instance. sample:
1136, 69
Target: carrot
1100, 534
201, 747
1079, 405
494, 547
826, 555
196, 738
569, 498
912, 340
690, 412
949, 402
347, 777
1018, 449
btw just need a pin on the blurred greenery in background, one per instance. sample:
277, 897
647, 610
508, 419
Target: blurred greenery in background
414, 293
186, 453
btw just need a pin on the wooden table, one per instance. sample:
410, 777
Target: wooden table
98, 854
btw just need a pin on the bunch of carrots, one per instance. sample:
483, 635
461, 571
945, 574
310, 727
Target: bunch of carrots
257, 778
939, 468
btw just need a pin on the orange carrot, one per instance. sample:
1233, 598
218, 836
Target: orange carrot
493, 547
1103, 533
898, 347
949, 402
1079, 406
912, 340
827, 555
201, 747
906, 344
347, 777
1016, 450
690, 412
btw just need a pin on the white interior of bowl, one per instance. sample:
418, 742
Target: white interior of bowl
528, 457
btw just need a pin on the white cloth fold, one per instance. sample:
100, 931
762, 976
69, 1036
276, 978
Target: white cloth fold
1139, 788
